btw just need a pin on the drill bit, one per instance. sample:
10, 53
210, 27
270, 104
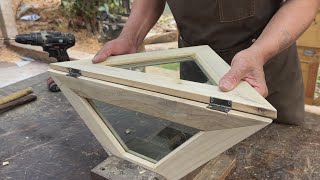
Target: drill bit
7, 39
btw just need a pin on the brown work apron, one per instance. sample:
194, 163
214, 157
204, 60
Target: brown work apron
229, 26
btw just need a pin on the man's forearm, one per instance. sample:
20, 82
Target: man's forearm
291, 20
144, 15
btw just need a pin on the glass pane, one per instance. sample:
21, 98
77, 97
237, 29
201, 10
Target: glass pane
185, 68
143, 135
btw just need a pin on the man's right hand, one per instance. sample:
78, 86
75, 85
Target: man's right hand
119, 46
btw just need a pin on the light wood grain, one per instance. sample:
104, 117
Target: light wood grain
92, 120
217, 169
98, 127
175, 100
170, 86
204, 145
200, 149
182, 111
244, 97
7, 19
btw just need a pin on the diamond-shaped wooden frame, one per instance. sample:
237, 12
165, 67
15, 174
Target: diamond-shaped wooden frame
178, 101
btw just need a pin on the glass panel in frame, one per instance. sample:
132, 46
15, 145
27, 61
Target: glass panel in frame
184, 68
143, 135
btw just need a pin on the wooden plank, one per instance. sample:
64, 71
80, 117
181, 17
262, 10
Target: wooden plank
215, 68
139, 59
175, 87
7, 19
161, 46
210, 63
216, 169
161, 38
204, 146
182, 111
98, 128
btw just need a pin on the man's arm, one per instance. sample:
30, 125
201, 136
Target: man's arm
144, 15
291, 20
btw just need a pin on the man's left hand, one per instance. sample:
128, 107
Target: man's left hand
246, 65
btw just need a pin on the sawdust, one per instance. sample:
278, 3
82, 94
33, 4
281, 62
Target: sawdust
7, 55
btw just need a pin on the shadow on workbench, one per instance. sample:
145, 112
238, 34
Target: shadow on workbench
46, 139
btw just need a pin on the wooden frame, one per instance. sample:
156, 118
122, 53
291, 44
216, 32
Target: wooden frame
243, 97
178, 101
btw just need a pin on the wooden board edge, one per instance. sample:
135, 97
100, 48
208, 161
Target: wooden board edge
7, 19
218, 170
216, 69
204, 147
175, 105
86, 112
166, 85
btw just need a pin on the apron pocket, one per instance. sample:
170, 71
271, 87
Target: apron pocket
235, 10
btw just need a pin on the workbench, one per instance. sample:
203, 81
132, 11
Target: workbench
46, 139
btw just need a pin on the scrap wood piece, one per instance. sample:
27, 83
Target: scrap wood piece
162, 38
16, 95
15, 103
216, 169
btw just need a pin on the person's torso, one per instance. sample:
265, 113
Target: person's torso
221, 24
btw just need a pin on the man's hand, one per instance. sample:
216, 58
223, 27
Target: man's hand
290, 21
118, 46
246, 65
144, 14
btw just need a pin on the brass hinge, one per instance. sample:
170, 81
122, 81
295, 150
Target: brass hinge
220, 104
75, 73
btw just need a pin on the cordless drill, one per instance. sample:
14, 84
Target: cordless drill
55, 43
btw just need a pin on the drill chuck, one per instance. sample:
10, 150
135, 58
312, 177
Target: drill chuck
32, 39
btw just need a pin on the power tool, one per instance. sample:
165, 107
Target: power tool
55, 43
